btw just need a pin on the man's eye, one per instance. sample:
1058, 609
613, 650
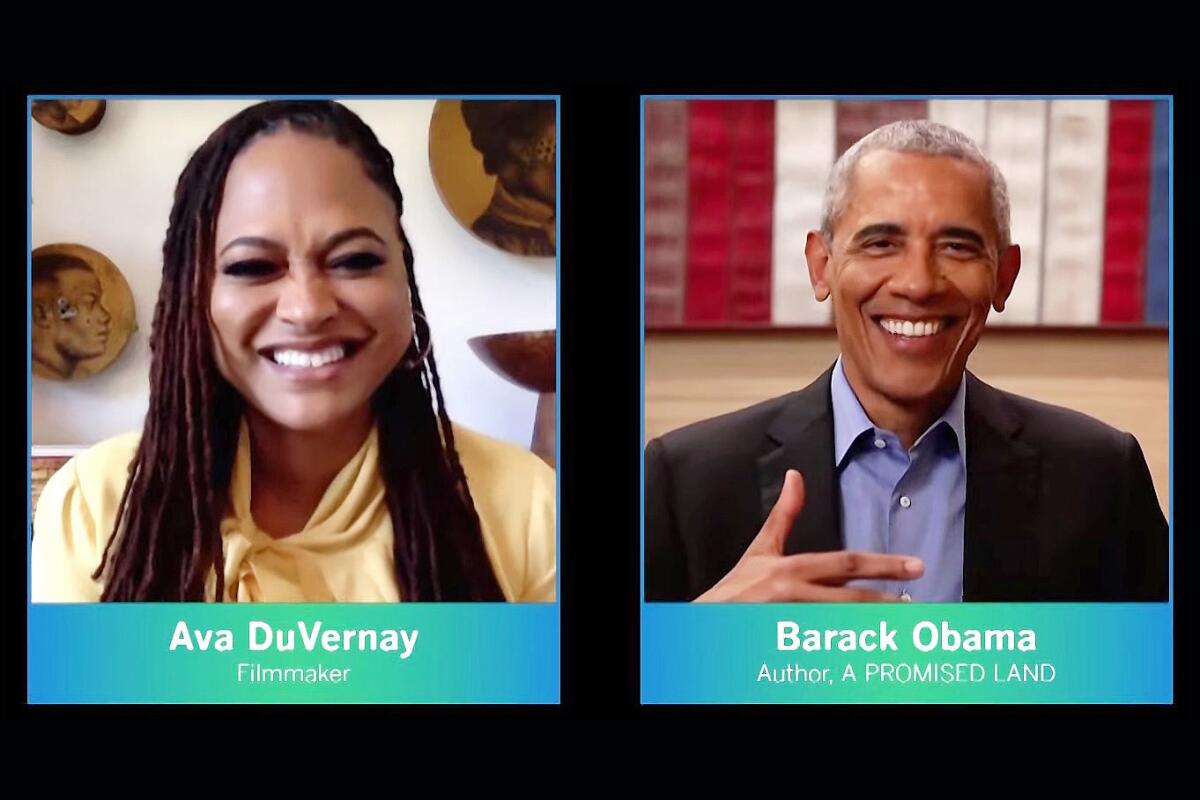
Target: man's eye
961, 248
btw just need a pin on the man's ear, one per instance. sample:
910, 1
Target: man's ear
816, 252
1006, 275
40, 317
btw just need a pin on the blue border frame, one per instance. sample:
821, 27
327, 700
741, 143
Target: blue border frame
29, 297
1170, 290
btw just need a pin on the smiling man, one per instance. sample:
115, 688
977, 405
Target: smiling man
897, 474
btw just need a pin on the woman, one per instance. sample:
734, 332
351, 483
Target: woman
297, 446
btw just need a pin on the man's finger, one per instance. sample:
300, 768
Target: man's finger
774, 532
815, 593
836, 568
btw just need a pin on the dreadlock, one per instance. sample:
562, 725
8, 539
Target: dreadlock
167, 537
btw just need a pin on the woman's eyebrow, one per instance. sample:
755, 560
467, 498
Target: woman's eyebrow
253, 241
348, 234
330, 243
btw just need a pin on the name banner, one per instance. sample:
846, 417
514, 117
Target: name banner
294, 653
901, 653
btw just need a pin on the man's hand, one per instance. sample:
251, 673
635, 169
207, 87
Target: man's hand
765, 575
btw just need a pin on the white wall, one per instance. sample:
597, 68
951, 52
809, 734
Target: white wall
111, 189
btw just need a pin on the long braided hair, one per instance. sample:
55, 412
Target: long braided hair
167, 538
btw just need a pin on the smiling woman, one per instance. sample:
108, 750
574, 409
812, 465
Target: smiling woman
297, 445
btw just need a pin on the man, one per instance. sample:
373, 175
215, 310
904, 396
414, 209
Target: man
897, 475
69, 322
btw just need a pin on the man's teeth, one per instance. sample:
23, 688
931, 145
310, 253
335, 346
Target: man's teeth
906, 327
307, 360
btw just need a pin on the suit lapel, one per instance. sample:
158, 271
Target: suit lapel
801, 438
1000, 561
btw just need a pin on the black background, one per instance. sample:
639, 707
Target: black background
599, 439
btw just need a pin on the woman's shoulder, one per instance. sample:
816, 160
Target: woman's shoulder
102, 469
511, 487
75, 516
116, 450
89, 486
498, 461
515, 495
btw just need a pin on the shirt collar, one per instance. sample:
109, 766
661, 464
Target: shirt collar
850, 420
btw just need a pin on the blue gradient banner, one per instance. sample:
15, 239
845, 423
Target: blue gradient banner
934, 653
294, 653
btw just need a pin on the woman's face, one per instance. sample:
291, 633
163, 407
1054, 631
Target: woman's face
310, 308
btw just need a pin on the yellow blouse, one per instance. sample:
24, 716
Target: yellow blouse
343, 554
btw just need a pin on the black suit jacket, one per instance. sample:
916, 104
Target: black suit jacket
1059, 505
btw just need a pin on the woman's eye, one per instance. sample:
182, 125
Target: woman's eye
359, 262
250, 268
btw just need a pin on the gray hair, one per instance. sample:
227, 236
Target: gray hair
914, 136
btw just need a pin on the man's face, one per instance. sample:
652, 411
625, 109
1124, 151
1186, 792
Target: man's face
82, 323
913, 269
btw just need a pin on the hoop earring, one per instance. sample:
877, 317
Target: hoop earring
415, 363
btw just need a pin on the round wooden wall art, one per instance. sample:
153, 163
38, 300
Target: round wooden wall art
71, 117
493, 162
82, 312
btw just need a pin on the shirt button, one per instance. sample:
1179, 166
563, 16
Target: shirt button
880, 443
905, 502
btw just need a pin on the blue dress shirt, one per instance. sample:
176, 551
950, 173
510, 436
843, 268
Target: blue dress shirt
904, 502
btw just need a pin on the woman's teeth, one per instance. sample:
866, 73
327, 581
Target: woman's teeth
308, 360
